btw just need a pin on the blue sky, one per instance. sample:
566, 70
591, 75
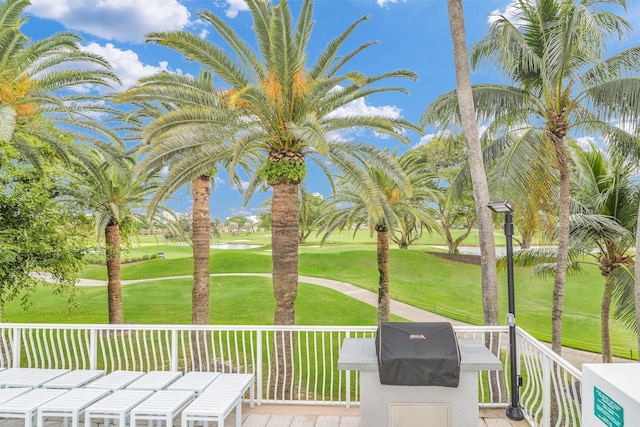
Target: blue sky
412, 34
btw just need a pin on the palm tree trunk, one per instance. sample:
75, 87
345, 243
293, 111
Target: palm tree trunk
284, 240
284, 245
562, 259
476, 163
605, 309
114, 286
201, 238
384, 301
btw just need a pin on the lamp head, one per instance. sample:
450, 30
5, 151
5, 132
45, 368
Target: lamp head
501, 207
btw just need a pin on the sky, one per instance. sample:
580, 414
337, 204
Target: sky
412, 34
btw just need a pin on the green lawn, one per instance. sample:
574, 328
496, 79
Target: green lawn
417, 277
234, 301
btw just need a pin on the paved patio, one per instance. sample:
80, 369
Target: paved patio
307, 416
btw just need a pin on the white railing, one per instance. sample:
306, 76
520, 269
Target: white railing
295, 364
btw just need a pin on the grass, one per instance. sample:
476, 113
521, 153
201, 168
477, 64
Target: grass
234, 301
417, 277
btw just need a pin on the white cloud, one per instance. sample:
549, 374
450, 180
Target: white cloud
240, 211
125, 63
236, 6
361, 108
383, 3
511, 12
585, 141
627, 126
425, 140
122, 20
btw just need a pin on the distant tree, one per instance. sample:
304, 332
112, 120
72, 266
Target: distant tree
446, 158
265, 220
310, 210
215, 227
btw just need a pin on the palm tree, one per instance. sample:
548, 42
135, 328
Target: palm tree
156, 97
118, 198
605, 188
355, 212
467, 117
603, 215
551, 54
36, 90
277, 110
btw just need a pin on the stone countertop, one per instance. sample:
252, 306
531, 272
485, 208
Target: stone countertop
360, 354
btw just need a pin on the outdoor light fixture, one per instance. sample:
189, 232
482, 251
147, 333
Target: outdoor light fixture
501, 207
514, 411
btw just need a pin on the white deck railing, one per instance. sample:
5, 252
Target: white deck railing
307, 372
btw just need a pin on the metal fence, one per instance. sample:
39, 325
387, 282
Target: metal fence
295, 364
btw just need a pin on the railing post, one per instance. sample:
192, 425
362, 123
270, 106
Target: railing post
16, 348
93, 349
546, 391
259, 367
348, 380
173, 364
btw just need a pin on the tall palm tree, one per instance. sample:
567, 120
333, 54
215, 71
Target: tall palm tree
551, 54
354, 212
467, 117
118, 198
278, 110
37, 82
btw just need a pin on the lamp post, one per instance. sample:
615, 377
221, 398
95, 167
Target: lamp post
514, 411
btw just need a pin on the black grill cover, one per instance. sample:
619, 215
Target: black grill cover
418, 354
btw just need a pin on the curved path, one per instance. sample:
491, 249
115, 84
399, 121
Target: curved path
406, 311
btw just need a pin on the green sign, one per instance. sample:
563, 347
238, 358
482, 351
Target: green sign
607, 409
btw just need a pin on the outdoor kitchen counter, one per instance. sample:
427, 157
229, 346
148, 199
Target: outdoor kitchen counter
380, 403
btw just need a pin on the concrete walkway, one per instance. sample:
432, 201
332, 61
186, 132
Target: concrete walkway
406, 311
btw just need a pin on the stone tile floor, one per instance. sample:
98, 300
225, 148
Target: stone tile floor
305, 416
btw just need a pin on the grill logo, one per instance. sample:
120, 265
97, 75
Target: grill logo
417, 337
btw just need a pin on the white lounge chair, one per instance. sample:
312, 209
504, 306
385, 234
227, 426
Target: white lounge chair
194, 381
219, 399
34, 378
7, 394
164, 405
214, 406
11, 374
116, 380
154, 380
234, 382
117, 406
25, 406
70, 405
74, 379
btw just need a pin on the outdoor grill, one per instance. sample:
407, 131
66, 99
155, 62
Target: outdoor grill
418, 354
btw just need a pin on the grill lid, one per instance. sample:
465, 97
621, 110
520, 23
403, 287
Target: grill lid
418, 354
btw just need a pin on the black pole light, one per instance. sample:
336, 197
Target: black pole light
514, 411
